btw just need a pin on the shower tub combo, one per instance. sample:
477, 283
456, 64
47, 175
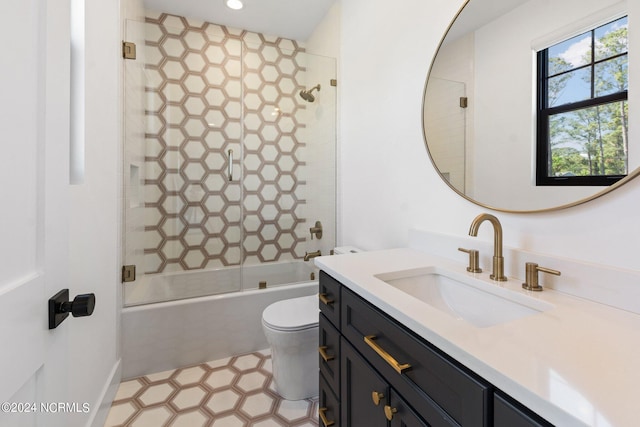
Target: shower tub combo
229, 160
184, 329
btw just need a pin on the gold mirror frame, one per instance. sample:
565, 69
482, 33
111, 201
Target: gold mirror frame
633, 174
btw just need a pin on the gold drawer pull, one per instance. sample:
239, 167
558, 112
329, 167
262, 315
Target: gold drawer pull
325, 300
389, 412
323, 353
323, 417
376, 396
400, 368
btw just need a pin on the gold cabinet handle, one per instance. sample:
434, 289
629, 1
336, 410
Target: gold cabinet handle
325, 300
399, 368
323, 417
376, 396
323, 353
389, 412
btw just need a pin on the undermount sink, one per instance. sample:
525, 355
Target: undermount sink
476, 301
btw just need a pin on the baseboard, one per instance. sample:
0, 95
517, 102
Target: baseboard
103, 403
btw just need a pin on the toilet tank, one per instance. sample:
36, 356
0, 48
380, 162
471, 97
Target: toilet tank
340, 250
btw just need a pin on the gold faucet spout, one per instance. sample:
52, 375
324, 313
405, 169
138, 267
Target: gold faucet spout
309, 255
498, 259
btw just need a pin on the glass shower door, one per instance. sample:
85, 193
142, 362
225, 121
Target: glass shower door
289, 173
182, 210
226, 166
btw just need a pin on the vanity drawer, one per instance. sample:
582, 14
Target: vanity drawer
431, 375
509, 413
329, 353
330, 298
328, 405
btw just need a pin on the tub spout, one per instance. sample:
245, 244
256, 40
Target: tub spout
309, 255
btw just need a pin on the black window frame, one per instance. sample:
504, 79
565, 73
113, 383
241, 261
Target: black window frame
544, 112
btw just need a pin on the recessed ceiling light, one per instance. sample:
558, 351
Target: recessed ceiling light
234, 4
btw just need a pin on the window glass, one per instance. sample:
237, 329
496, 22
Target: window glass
570, 54
611, 76
589, 141
611, 39
570, 87
583, 109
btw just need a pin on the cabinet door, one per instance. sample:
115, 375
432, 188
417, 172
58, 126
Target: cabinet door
360, 385
401, 414
508, 413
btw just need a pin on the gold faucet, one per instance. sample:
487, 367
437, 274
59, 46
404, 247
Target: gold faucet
498, 259
309, 255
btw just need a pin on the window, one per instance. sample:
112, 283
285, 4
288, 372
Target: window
582, 108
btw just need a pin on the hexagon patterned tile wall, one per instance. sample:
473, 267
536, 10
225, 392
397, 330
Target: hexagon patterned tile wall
211, 90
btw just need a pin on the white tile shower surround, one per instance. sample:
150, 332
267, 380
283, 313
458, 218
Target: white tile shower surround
213, 89
235, 391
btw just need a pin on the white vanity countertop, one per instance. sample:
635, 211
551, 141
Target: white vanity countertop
577, 364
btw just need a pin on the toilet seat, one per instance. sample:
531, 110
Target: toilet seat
295, 314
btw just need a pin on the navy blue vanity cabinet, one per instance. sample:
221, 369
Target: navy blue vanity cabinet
391, 377
509, 413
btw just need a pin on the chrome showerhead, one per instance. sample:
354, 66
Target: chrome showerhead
307, 95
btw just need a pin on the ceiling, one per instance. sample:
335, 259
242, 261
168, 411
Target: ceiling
291, 19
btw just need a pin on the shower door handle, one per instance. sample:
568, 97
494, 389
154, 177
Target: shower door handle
230, 155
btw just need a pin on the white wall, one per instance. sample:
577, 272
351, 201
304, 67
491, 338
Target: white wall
388, 183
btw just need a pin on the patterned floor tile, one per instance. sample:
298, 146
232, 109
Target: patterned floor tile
235, 391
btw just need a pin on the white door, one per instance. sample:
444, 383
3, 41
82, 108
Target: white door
34, 180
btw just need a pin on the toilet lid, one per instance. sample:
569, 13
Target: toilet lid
292, 314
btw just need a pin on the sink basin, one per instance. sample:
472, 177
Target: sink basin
475, 301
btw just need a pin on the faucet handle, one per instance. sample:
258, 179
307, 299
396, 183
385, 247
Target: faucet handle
531, 276
317, 230
474, 263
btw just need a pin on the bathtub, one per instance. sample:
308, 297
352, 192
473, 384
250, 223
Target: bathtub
189, 330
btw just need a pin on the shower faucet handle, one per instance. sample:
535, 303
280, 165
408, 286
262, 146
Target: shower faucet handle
317, 230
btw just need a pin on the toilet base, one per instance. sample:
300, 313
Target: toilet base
294, 358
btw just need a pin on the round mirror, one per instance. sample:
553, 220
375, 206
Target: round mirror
480, 101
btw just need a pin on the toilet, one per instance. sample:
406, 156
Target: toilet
291, 328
